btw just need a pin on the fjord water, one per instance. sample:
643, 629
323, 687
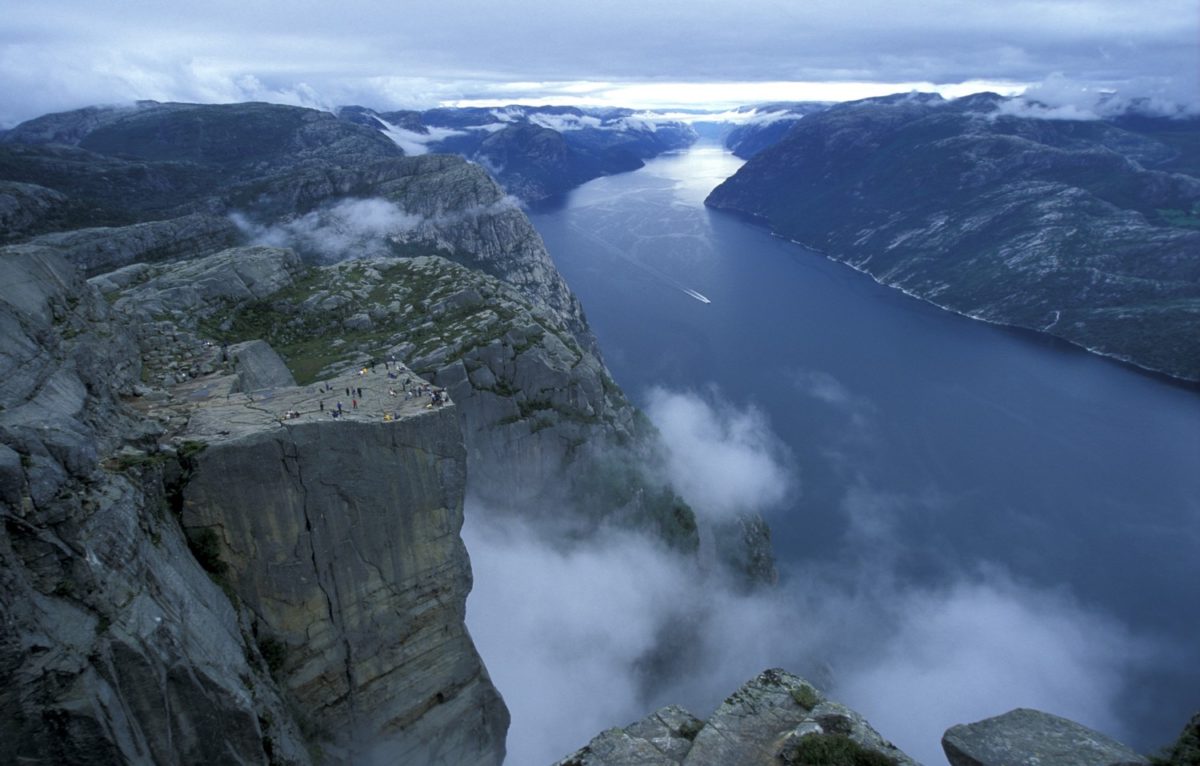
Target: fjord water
942, 444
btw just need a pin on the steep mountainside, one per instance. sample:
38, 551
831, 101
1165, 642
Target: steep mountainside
1083, 230
766, 125
201, 562
269, 163
191, 577
534, 152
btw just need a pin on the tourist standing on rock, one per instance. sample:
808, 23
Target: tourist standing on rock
322, 405
354, 404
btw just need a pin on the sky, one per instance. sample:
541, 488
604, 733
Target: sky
64, 54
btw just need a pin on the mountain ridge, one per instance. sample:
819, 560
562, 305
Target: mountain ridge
1054, 226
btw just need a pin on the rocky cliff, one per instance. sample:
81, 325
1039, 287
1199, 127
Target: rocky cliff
775, 718
549, 434
778, 719
204, 563
193, 576
1086, 230
115, 646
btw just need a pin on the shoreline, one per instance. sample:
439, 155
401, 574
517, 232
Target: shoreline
1177, 381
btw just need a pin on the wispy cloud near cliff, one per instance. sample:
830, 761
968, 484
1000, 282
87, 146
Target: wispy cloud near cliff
351, 228
722, 459
583, 635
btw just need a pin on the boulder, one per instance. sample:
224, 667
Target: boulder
775, 718
259, 367
1025, 737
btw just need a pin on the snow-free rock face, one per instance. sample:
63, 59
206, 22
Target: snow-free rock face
547, 429
1085, 230
115, 646
102, 249
775, 718
181, 168
327, 615
341, 538
1025, 737
26, 207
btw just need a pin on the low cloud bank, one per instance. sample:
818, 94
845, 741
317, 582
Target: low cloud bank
351, 228
583, 635
722, 459
414, 143
362, 228
1060, 98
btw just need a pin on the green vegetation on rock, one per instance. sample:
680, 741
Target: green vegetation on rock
832, 750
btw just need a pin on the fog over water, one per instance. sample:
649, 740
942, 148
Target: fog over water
967, 518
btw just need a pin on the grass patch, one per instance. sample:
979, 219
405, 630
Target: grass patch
832, 750
806, 697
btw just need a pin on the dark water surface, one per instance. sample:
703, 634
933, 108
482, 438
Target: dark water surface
1068, 470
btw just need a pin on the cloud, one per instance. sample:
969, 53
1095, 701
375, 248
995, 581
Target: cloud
721, 459
66, 55
414, 143
583, 636
982, 646
1061, 98
351, 228
580, 635
565, 122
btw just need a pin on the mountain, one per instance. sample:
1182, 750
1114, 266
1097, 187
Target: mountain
763, 125
536, 153
200, 562
779, 718
1085, 230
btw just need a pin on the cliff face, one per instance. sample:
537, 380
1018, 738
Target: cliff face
156, 182
341, 538
115, 646
1083, 230
326, 615
546, 428
202, 563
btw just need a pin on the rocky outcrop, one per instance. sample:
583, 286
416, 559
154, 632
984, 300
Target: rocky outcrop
26, 207
1086, 231
258, 366
341, 538
545, 426
1024, 737
197, 288
1186, 750
181, 168
776, 718
115, 646
99, 250
327, 615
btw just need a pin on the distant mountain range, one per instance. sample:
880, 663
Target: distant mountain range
766, 124
1088, 230
535, 152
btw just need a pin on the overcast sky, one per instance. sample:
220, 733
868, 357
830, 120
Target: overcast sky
60, 54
